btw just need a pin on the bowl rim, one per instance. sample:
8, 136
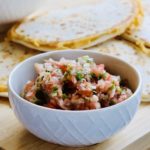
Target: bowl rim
10, 88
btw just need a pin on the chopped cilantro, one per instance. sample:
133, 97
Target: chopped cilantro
99, 77
104, 75
87, 59
69, 68
67, 76
112, 102
64, 96
55, 89
54, 94
112, 87
79, 76
119, 89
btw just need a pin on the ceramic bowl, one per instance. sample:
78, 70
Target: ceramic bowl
14, 10
74, 128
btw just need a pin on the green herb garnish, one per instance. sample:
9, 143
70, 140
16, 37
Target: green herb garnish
55, 89
69, 68
104, 75
112, 102
99, 77
87, 59
79, 76
119, 89
112, 87
64, 96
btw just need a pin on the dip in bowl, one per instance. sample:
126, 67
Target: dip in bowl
74, 127
78, 84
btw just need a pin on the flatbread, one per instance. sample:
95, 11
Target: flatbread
138, 20
132, 55
10, 55
141, 36
4, 94
76, 27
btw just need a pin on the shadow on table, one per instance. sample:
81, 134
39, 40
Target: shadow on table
4, 101
29, 141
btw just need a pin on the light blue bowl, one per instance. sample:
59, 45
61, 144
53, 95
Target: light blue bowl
74, 128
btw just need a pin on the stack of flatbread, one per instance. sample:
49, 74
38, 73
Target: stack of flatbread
141, 35
10, 55
86, 24
78, 27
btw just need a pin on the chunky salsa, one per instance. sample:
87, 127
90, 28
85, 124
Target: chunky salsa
79, 84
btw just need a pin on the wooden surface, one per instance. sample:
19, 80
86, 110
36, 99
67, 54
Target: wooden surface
13, 136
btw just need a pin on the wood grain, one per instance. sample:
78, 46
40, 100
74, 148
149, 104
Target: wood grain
141, 144
13, 136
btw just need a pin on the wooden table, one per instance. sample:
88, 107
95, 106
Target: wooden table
13, 136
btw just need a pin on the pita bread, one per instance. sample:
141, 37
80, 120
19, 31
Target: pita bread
129, 53
76, 27
141, 36
10, 55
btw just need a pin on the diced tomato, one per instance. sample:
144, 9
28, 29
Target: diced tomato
84, 89
87, 93
75, 85
103, 86
90, 105
53, 74
98, 70
104, 103
49, 105
54, 103
63, 68
28, 86
101, 67
48, 87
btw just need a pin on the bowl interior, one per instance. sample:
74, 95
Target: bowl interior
25, 71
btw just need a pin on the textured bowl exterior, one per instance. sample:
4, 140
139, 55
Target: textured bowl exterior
74, 128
